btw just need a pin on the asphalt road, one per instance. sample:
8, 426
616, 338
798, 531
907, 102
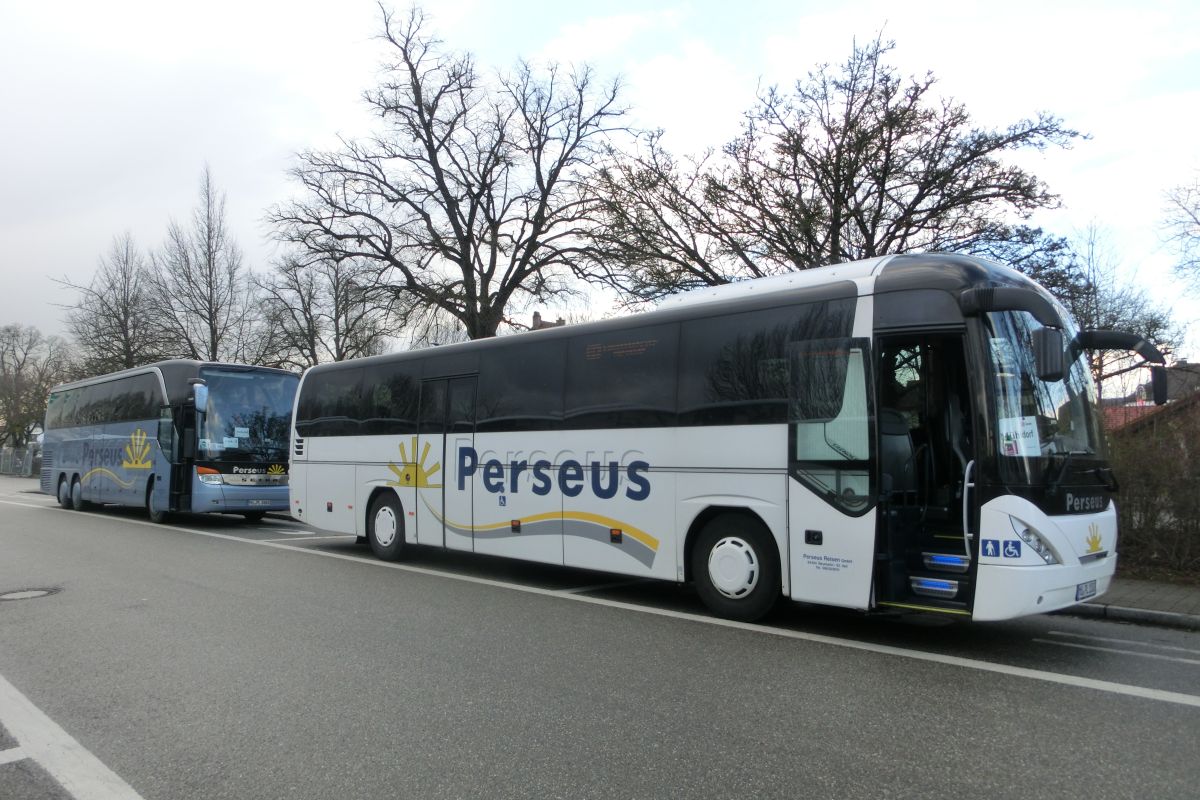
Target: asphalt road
211, 658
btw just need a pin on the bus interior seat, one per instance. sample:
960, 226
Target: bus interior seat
897, 456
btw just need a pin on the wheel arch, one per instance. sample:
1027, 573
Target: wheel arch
375, 493
710, 513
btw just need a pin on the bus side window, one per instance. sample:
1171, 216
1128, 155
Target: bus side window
167, 439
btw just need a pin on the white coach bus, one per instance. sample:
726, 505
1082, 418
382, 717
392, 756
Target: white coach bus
908, 432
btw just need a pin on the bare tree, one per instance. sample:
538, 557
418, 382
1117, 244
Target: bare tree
852, 163
326, 308
110, 320
661, 232
1112, 303
1183, 227
1083, 273
201, 295
469, 199
30, 365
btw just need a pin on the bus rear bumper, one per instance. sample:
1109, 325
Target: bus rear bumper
1003, 592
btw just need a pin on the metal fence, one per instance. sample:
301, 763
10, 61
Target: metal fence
19, 461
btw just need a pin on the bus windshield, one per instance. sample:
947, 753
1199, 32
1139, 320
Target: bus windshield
248, 415
1039, 422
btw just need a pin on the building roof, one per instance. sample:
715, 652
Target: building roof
1143, 416
1117, 417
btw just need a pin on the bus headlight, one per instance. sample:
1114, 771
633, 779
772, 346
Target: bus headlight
209, 475
1034, 540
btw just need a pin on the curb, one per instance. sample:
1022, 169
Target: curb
1141, 616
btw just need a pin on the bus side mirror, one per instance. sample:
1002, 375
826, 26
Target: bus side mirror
1158, 384
1048, 354
200, 395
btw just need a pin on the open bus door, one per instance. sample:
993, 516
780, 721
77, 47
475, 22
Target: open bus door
926, 550
165, 494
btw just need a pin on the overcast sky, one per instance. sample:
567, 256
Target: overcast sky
111, 110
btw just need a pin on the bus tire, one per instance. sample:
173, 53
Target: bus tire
385, 527
64, 493
157, 515
77, 501
736, 568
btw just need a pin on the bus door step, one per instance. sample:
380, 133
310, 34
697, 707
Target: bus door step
941, 588
945, 562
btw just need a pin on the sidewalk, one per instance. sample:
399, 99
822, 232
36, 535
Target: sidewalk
1146, 603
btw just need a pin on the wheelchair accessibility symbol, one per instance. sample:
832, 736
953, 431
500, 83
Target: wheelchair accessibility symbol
1012, 548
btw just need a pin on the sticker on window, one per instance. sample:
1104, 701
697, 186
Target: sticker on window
1019, 436
231, 442
241, 433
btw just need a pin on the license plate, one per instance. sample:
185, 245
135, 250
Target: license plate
1085, 590
268, 502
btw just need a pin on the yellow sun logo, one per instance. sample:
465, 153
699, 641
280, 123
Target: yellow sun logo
1093, 539
275, 469
137, 451
411, 472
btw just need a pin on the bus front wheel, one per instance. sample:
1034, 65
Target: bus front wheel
736, 568
157, 515
385, 528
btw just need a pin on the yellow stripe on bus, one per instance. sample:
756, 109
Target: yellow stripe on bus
579, 516
108, 472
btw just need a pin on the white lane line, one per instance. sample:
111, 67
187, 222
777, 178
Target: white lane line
13, 754
1119, 651
1128, 690
1135, 642
304, 537
82, 774
598, 586
24, 505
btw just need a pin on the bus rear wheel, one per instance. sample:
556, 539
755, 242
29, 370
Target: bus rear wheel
736, 568
77, 501
385, 528
64, 493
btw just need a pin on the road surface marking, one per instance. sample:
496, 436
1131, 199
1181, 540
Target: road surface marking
598, 586
82, 774
25, 505
13, 754
1119, 651
1126, 641
305, 537
1076, 681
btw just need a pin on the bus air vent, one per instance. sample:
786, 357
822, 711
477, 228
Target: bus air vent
298, 446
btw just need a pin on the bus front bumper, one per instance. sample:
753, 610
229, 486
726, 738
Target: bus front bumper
217, 498
1004, 592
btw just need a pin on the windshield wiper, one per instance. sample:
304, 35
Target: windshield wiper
1105, 475
1057, 480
